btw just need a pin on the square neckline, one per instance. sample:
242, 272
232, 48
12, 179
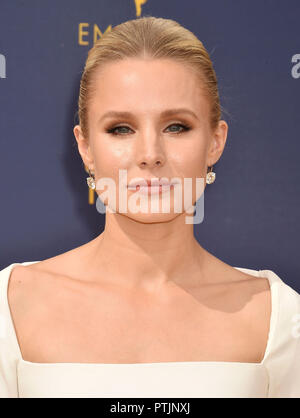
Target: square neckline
272, 326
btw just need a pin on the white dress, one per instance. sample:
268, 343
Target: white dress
278, 374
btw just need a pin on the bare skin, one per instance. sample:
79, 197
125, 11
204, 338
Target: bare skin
144, 290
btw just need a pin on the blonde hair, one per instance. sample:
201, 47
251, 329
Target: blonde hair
154, 38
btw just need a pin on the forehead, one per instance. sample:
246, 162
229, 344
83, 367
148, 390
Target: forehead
146, 85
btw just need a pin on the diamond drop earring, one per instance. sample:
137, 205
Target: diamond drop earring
210, 176
91, 181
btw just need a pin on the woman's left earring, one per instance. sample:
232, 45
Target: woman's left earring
210, 176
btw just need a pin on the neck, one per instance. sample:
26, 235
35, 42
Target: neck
146, 255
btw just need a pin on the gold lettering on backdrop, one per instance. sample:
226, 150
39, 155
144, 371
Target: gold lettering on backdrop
97, 32
138, 6
81, 33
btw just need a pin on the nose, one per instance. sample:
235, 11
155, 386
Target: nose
150, 152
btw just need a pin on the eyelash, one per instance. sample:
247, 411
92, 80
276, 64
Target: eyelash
112, 130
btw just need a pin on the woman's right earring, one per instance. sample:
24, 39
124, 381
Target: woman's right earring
210, 176
91, 181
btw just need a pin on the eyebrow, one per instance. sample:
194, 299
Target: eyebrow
165, 113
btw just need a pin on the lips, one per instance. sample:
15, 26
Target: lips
148, 183
153, 190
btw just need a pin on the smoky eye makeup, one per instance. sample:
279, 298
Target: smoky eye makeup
123, 129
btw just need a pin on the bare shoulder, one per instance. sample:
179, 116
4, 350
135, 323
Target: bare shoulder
256, 291
22, 295
67, 264
258, 306
24, 280
245, 295
247, 285
21, 279
250, 299
249, 295
249, 289
24, 285
30, 284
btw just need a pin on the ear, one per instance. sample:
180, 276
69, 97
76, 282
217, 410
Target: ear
84, 148
217, 143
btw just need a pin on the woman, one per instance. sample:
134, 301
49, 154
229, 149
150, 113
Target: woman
143, 310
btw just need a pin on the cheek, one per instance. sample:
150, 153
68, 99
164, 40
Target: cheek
189, 160
110, 157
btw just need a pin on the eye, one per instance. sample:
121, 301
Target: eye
113, 130
184, 127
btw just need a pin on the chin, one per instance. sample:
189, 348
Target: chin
149, 218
